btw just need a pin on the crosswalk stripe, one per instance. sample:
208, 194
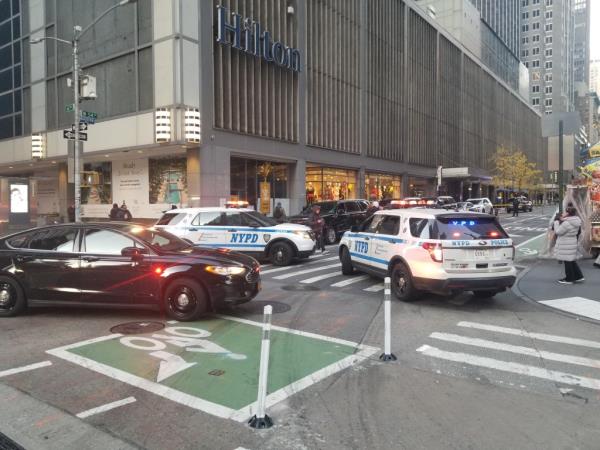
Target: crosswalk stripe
528, 351
320, 277
281, 269
512, 367
350, 281
302, 272
375, 288
576, 305
538, 336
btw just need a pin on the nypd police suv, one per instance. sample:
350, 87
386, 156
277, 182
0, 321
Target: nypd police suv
432, 250
243, 230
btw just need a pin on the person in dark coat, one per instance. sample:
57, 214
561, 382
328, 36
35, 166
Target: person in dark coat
568, 228
279, 213
316, 222
71, 212
124, 213
515, 207
114, 212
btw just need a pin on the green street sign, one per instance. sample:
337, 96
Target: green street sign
70, 108
91, 115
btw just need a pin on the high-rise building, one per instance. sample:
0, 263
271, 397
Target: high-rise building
595, 76
581, 41
547, 50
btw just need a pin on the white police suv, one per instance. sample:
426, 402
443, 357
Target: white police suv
432, 250
243, 230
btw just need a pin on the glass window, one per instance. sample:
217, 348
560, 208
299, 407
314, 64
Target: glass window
16, 27
17, 51
5, 57
105, 242
548, 14
6, 128
548, 102
535, 51
326, 183
535, 88
6, 79
548, 52
420, 228
233, 218
172, 219
17, 78
5, 33
158, 239
6, 104
4, 10
390, 225
18, 125
535, 38
374, 224
535, 63
207, 218
535, 101
96, 187
52, 239
168, 181
535, 26
145, 78
352, 207
548, 27
380, 186
548, 64
144, 18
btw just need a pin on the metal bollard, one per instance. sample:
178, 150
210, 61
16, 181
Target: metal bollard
387, 354
261, 419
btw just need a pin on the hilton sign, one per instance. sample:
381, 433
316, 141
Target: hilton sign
248, 36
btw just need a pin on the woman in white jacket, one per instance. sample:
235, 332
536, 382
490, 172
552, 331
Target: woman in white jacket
568, 228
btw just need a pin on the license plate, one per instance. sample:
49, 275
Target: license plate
482, 254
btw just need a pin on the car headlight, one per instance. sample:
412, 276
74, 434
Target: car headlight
225, 270
303, 234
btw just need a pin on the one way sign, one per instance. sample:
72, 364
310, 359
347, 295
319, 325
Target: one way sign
82, 126
70, 134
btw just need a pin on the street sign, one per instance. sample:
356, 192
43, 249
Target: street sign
92, 115
82, 126
88, 120
70, 108
70, 134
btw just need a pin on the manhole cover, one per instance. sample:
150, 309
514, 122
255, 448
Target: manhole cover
137, 327
257, 307
216, 372
300, 287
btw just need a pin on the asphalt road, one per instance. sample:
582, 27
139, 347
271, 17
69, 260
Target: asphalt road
470, 373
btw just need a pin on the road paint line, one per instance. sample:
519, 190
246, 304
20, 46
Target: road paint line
104, 408
295, 266
512, 367
375, 288
39, 365
538, 336
576, 305
528, 351
320, 277
350, 281
530, 240
303, 272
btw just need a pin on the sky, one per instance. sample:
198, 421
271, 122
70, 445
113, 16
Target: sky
595, 29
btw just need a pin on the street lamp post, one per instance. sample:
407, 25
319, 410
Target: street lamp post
78, 32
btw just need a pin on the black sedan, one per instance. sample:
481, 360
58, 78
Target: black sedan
120, 265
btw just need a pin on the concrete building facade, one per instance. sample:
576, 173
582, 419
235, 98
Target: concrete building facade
201, 102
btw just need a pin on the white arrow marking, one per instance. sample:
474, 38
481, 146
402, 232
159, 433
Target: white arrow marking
170, 365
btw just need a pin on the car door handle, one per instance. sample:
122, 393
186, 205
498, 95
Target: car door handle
193, 229
24, 258
367, 239
91, 258
232, 230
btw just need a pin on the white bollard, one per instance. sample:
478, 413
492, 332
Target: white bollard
387, 354
261, 419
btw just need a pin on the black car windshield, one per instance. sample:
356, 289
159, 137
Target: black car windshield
159, 239
326, 207
261, 219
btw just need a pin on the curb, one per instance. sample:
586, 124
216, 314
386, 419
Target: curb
515, 290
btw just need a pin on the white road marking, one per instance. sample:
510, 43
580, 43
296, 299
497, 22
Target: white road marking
305, 271
576, 305
513, 367
350, 281
538, 336
39, 365
320, 277
530, 240
375, 288
281, 269
104, 408
528, 351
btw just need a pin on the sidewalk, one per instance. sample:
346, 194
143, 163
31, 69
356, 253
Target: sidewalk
539, 284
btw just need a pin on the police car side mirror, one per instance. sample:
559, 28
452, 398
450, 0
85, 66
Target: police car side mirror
133, 252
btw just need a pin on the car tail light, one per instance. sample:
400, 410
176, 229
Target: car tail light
494, 234
435, 251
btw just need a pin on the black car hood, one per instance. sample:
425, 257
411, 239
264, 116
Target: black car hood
216, 256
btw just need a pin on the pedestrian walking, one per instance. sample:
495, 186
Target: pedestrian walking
316, 222
279, 213
515, 207
568, 229
114, 212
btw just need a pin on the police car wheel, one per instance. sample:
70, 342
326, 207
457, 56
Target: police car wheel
347, 267
484, 294
330, 236
12, 298
281, 254
185, 299
402, 283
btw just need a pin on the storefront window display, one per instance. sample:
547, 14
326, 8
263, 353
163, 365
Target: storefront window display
380, 186
260, 183
420, 187
96, 184
168, 181
326, 183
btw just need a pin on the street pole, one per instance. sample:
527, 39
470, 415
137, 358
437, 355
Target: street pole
561, 188
77, 175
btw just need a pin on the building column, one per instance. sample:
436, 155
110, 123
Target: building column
360, 185
63, 192
297, 186
193, 177
404, 187
215, 180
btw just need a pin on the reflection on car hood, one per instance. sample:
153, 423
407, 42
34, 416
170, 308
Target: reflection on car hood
216, 256
291, 227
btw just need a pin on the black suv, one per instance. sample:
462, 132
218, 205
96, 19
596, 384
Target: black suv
339, 216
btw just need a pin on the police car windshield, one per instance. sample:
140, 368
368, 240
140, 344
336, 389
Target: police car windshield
254, 218
159, 239
456, 227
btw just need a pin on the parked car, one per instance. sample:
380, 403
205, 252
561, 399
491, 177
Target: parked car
446, 201
434, 251
243, 230
463, 206
339, 216
525, 205
120, 265
482, 205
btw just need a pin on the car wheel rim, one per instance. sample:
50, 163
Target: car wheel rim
401, 283
183, 301
279, 254
7, 296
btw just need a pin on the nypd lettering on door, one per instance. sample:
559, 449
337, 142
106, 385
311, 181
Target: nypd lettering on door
248, 36
243, 238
